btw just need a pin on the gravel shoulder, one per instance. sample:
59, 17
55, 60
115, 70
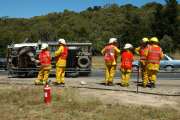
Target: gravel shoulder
160, 96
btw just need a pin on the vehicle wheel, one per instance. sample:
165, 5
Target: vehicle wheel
169, 68
83, 61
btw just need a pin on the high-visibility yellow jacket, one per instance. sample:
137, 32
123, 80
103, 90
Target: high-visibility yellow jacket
45, 59
116, 53
61, 62
153, 65
141, 52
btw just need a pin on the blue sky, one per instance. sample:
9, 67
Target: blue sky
30, 8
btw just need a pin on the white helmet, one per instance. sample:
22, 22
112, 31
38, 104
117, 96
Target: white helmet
44, 46
62, 41
112, 40
127, 46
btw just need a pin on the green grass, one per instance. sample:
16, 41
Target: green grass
24, 102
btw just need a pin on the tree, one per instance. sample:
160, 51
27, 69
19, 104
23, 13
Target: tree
97, 24
167, 44
171, 21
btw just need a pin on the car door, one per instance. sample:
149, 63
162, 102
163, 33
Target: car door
164, 62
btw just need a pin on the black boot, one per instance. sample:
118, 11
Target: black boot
110, 84
152, 85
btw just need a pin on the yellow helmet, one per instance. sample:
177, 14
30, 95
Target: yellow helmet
154, 39
145, 39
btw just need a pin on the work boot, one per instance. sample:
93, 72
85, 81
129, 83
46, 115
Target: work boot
123, 85
152, 85
103, 83
62, 84
107, 83
56, 83
42, 82
144, 85
127, 85
37, 82
110, 83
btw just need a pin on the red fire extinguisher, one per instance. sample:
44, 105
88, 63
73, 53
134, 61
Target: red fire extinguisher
47, 94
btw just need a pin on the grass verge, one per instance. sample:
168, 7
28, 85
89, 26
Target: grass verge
26, 102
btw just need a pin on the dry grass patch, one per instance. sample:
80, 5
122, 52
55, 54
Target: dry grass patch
26, 102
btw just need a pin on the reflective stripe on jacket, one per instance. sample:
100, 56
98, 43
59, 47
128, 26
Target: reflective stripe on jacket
110, 53
154, 54
45, 57
61, 56
142, 53
126, 59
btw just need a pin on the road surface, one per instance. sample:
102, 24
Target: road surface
167, 83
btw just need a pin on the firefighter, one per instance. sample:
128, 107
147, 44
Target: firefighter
61, 56
127, 58
154, 54
110, 52
141, 52
45, 62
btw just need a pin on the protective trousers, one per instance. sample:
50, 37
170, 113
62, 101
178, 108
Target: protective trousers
144, 73
42, 76
60, 73
152, 75
110, 72
125, 76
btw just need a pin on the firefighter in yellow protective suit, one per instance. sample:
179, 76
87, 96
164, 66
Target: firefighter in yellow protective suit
61, 56
141, 52
110, 52
45, 61
127, 58
153, 54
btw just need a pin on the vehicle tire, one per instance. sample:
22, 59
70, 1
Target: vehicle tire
84, 61
169, 68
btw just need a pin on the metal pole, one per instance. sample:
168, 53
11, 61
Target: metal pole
138, 72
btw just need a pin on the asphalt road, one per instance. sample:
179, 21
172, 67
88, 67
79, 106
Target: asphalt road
100, 74
168, 83
161, 75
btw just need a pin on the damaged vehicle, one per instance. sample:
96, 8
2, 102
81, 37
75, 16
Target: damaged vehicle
22, 58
